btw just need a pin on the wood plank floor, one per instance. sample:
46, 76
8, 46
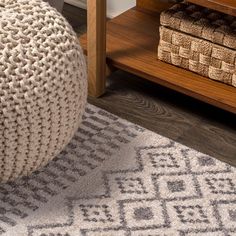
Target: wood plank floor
168, 113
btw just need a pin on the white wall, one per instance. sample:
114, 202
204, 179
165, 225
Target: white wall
114, 7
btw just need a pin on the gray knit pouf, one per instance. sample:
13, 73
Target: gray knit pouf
43, 85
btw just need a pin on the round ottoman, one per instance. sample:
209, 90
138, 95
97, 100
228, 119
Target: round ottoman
43, 86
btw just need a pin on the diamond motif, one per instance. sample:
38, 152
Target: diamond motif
200, 163
131, 185
152, 190
191, 214
144, 213
221, 185
163, 160
90, 214
182, 186
96, 213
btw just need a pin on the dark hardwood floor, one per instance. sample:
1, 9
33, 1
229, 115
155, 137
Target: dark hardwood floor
164, 111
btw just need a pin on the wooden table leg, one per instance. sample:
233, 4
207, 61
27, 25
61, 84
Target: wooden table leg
96, 46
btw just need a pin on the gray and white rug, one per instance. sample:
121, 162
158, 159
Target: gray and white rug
118, 179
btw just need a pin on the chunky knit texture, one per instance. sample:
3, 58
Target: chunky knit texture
43, 86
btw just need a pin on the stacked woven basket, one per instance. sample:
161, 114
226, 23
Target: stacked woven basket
200, 40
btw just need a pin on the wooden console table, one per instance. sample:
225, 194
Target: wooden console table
129, 42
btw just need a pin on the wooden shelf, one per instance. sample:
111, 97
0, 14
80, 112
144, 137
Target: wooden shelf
132, 40
225, 6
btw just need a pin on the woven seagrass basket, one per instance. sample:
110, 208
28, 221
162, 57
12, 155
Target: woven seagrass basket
199, 40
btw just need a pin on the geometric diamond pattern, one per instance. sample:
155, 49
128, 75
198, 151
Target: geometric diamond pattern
202, 164
96, 213
131, 185
118, 179
191, 214
87, 214
150, 201
143, 214
176, 187
221, 185
162, 194
163, 160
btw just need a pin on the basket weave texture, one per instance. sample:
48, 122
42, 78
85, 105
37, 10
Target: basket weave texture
201, 22
43, 86
195, 54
